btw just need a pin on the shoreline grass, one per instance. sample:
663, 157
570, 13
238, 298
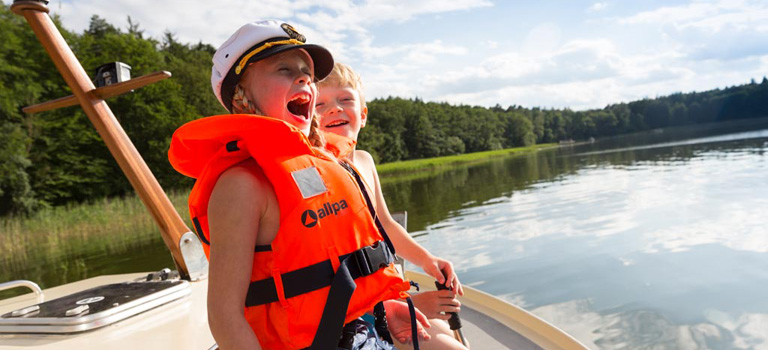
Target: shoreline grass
432, 164
107, 225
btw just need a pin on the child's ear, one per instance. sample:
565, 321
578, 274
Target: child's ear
363, 116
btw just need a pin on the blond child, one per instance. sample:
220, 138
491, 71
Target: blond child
342, 111
287, 233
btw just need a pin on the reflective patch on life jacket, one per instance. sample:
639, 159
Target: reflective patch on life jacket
309, 182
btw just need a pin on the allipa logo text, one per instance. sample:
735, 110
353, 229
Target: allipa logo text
310, 217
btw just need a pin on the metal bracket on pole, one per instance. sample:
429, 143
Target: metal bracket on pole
194, 256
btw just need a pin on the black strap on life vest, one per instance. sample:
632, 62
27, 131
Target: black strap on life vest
371, 207
362, 262
380, 322
335, 309
199, 232
414, 332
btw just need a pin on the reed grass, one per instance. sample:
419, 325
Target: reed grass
108, 225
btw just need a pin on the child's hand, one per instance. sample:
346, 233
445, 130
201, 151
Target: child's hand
399, 322
442, 270
436, 304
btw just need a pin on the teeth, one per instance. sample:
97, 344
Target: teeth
302, 99
336, 123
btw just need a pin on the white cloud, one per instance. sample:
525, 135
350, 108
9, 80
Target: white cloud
197, 20
543, 38
710, 17
591, 73
555, 62
576, 95
190, 21
598, 6
580, 74
590, 58
403, 10
419, 50
492, 44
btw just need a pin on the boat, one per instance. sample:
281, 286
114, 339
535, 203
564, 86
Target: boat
167, 309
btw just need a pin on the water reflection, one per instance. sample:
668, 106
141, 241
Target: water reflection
57, 270
742, 136
429, 200
645, 247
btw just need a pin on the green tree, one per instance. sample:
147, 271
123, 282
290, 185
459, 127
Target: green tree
25, 78
606, 122
420, 138
16, 194
191, 68
520, 131
679, 114
657, 114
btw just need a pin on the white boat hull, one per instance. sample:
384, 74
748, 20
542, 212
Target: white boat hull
180, 324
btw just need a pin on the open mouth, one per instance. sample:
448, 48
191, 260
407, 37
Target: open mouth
336, 123
299, 106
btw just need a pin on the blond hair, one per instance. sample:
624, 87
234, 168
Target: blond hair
342, 75
241, 105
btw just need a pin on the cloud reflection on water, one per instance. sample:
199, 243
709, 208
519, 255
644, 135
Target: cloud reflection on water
663, 252
649, 329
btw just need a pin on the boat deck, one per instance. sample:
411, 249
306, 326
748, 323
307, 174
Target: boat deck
489, 334
488, 322
492, 323
180, 324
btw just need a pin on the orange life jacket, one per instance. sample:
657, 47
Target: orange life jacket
325, 223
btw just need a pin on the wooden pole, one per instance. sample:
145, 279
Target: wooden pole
171, 225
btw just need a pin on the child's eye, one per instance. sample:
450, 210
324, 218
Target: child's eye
319, 104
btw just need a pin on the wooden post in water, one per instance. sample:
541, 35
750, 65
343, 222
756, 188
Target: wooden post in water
128, 158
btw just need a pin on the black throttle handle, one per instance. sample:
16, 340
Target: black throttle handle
454, 321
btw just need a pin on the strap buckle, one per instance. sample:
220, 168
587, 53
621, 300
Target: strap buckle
372, 258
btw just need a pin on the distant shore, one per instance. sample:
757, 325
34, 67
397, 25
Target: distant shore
430, 164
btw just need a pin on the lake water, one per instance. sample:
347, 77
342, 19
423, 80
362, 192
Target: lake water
650, 241
631, 243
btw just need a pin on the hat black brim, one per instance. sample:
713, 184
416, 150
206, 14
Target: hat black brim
321, 57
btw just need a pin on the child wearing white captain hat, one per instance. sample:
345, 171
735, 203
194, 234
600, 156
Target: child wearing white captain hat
265, 68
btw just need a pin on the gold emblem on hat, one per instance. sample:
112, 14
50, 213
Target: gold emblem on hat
293, 33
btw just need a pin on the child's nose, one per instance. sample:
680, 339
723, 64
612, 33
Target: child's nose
303, 79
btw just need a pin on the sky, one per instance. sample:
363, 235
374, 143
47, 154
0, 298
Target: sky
550, 54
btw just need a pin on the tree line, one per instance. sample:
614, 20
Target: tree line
400, 129
56, 157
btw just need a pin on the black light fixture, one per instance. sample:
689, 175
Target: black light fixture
43, 1
112, 73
